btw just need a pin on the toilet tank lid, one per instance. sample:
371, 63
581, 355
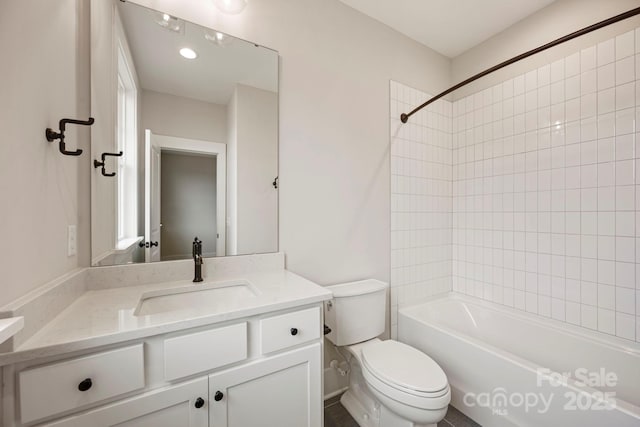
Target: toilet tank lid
361, 287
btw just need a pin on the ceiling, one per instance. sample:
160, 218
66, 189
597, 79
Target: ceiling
449, 27
211, 77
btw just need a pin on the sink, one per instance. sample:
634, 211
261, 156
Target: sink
213, 297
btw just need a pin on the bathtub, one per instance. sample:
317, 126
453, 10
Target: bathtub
509, 368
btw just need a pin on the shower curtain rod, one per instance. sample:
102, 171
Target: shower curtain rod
405, 116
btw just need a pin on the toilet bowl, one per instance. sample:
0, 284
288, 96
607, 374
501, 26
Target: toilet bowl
394, 385
391, 384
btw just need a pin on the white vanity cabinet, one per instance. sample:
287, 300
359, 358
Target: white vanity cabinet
263, 370
282, 391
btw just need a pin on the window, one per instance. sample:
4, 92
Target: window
127, 142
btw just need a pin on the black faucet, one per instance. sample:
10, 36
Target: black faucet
197, 258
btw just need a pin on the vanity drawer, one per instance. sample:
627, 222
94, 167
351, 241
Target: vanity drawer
286, 330
51, 389
202, 351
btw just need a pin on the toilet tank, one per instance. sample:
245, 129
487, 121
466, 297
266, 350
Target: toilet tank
357, 311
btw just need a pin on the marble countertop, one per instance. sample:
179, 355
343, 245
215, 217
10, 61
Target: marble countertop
106, 316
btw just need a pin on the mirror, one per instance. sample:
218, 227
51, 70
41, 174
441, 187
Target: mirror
194, 113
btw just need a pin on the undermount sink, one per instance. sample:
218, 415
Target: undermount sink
213, 297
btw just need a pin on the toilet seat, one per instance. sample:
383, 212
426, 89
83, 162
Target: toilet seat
405, 374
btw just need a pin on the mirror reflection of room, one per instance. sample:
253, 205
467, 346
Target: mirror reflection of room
194, 112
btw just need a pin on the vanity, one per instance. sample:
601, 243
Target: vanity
136, 355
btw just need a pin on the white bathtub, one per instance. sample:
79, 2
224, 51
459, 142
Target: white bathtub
504, 365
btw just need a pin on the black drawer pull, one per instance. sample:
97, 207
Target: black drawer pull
218, 396
294, 331
85, 384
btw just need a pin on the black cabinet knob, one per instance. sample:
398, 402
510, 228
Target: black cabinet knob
294, 331
85, 384
218, 396
199, 402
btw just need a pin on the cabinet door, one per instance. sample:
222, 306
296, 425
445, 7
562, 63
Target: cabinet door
282, 391
168, 407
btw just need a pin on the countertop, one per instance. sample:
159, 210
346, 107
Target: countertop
106, 316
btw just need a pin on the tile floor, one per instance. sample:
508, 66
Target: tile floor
336, 416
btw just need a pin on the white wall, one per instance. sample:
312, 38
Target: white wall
232, 177
182, 117
43, 79
554, 21
257, 167
334, 146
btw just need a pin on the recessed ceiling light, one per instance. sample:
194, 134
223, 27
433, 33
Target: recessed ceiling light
188, 53
230, 6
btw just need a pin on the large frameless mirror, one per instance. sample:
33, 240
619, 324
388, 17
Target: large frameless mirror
185, 142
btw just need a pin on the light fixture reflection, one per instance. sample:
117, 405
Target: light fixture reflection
169, 22
188, 53
218, 38
230, 6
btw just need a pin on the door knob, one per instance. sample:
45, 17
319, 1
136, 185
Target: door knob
218, 396
294, 331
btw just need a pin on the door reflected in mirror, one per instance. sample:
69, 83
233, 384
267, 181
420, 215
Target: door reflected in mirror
195, 113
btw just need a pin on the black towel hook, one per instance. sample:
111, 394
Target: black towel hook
52, 135
97, 164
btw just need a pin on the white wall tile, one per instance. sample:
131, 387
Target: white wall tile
606, 52
625, 45
545, 193
625, 326
606, 101
606, 321
589, 81
421, 202
625, 70
626, 300
625, 96
606, 296
589, 316
588, 58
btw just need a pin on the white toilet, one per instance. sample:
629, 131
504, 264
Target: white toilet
391, 384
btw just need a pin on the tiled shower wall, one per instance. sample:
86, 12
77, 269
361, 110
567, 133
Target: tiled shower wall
545, 190
421, 199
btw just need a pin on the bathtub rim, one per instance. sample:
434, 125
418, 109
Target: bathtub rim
624, 344
616, 343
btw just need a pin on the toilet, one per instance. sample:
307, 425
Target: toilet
391, 384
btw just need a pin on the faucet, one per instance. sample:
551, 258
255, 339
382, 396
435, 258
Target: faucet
197, 258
